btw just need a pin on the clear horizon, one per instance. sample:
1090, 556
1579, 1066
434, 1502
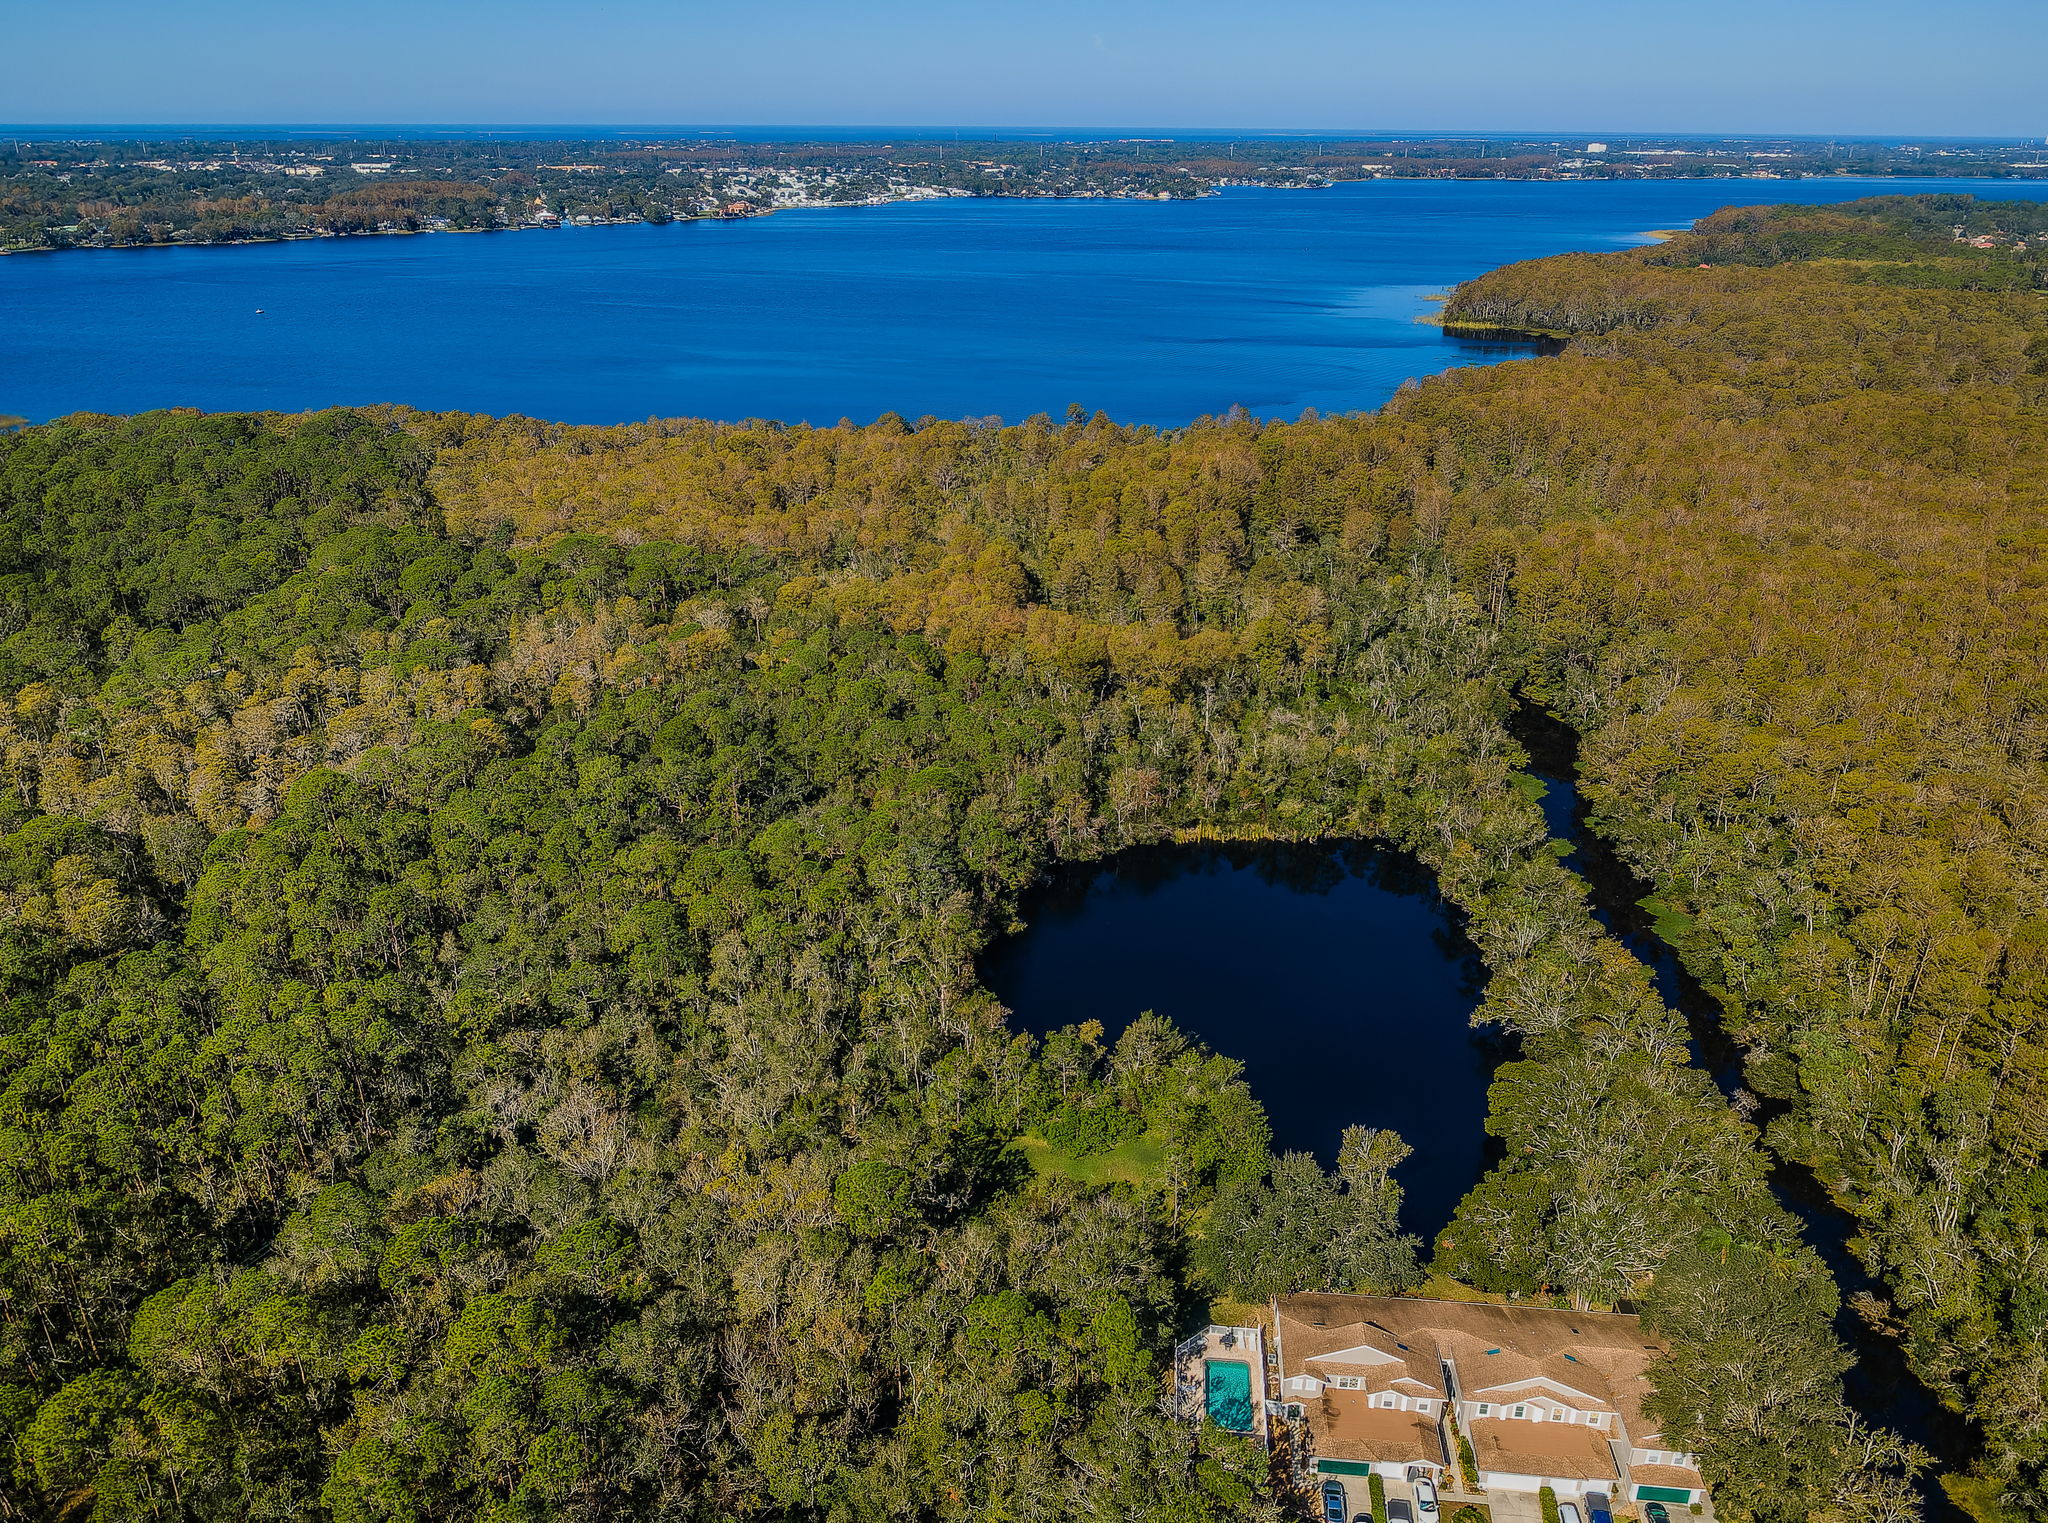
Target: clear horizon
1742, 68
1069, 131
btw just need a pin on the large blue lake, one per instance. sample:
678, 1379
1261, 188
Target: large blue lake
1157, 312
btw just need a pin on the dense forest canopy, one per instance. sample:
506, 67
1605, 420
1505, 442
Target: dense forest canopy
490, 1025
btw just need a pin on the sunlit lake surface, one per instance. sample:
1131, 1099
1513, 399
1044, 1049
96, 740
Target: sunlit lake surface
1155, 311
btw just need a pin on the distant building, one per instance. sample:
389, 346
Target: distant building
1385, 1385
1596, 148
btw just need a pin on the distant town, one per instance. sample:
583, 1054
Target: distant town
101, 193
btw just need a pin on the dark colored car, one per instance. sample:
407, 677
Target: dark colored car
1398, 1510
1596, 1508
1333, 1502
1655, 1512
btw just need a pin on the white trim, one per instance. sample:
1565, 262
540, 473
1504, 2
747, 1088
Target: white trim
1365, 1353
1557, 1387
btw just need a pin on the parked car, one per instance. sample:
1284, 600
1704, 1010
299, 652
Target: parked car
1597, 1510
1333, 1502
1425, 1494
1655, 1512
1398, 1510
1567, 1512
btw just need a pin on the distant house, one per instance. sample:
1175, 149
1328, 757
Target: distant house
1386, 1384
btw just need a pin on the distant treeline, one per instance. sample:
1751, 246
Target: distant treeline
488, 1013
87, 194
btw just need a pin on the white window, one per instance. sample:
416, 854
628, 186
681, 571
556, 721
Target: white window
1424, 1407
1386, 1399
1349, 1382
1519, 1412
1485, 1409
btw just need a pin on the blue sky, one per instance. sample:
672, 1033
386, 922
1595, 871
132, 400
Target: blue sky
1818, 66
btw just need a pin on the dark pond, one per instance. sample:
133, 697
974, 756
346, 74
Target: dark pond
1333, 971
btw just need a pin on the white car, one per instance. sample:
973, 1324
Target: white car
1425, 1496
1567, 1513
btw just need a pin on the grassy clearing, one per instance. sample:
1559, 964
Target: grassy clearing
1139, 1161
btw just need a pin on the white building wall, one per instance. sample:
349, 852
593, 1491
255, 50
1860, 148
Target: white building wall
1567, 1488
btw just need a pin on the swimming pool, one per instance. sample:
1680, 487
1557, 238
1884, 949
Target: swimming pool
1229, 1394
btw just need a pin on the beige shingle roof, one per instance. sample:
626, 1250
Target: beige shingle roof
1600, 1355
1564, 1450
1347, 1428
1665, 1475
1313, 1328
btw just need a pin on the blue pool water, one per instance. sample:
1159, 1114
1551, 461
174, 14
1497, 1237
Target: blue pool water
1229, 1394
1156, 311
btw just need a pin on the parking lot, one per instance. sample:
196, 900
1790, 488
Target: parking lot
1358, 1500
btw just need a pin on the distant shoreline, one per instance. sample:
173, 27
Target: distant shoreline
1213, 189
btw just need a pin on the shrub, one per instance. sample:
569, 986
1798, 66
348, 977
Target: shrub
1093, 1129
873, 1197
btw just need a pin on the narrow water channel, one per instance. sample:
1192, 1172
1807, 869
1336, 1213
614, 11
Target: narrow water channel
1332, 970
1881, 1386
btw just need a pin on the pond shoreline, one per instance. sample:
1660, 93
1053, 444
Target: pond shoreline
1333, 970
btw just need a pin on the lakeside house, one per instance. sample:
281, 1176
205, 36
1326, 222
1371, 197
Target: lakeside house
1386, 1385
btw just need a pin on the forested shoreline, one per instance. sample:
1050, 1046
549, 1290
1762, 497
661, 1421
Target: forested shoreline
80, 193
490, 1024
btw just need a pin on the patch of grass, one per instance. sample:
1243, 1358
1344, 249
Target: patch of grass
1136, 1162
1440, 1287
1978, 1496
1225, 1312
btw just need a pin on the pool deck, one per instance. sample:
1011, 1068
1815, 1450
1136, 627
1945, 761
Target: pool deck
1246, 1345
